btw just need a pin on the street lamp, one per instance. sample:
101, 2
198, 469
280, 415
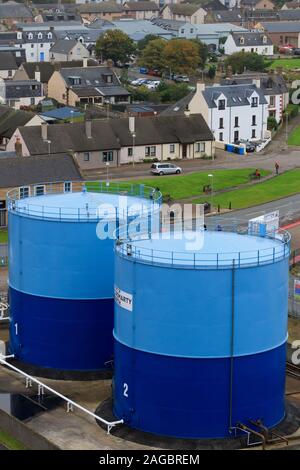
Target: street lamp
212, 190
72, 116
133, 144
49, 147
107, 166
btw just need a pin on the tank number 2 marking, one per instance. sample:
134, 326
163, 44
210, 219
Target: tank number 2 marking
125, 392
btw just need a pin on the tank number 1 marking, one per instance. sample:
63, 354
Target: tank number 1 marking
125, 392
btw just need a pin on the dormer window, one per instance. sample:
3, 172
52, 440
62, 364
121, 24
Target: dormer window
19, 35
221, 104
242, 40
254, 102
75, 80
30, 36
108, 78
40, 36
49, 35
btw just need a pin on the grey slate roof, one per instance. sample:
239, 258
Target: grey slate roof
112, 134
50, 16
64, 46
289, 15
20, 171
103, 7
141, 5
282, 26
180, 106
251, 39
47, 68
271, 84
92, 81
236, 95
7, 61
226, 16
11, 119
14, 10
292, 5
22, 89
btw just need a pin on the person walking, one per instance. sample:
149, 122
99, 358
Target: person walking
277, 167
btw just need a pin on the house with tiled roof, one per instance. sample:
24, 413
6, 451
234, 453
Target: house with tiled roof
141, 10
68, 50
92, 85
249, 42
187, 12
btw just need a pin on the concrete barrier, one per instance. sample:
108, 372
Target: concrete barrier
19, 431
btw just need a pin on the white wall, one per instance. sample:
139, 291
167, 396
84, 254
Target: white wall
230, 47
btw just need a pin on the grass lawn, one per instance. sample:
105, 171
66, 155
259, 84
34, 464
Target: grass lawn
294, 137
10, 442
3, 235
185, 186
286, 63
280, 186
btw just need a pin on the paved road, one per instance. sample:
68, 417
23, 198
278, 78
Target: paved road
289, 210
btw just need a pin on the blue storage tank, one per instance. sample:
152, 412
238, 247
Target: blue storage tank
61, 273
200, 336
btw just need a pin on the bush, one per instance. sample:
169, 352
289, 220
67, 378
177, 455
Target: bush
272, 123
292, 110
150, 160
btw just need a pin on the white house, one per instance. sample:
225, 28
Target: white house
273, 87
65, 50
37, 44
232, 112
20, 93
249, 42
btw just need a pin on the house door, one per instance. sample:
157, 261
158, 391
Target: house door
42, 56
184, 150
236, 136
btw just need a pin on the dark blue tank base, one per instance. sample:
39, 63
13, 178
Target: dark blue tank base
58, 374
62, 334
190, 398
288, 426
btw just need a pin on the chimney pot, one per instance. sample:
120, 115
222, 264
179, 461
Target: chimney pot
88, 128
18, 147
44, 130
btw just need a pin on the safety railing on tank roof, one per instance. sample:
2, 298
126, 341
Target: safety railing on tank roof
88, 212
127, 247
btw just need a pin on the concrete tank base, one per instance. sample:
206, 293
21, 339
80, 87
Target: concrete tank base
289, 425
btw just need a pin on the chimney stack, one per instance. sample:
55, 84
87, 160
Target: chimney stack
37, 74
200, 87
18, 147
256, 82
44, 130
131, 124
88, 128
85, 62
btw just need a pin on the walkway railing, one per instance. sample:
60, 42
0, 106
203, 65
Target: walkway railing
128, 246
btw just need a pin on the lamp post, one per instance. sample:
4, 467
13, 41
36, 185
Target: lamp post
211, 176
133, 144
49, 147
107, 166
72, 116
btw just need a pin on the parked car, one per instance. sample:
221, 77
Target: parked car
154, 73
250, 146
296, 51
143, 70
139, 81
286, 49
152, 84
165, 169
181, 78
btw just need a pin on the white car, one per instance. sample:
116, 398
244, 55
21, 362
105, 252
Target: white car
165, 169
152, 84
139, 81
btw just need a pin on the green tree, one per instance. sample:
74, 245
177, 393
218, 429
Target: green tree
172, 92
115, 45
203, 52
151, 56
181, 56
240, 61
145, 41
211, 72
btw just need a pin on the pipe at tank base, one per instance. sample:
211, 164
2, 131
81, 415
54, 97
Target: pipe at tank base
70, 403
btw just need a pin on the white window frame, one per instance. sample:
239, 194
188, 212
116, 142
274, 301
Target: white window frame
172, 148
21, 189
36, 188
70, 186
